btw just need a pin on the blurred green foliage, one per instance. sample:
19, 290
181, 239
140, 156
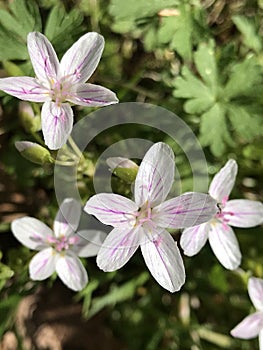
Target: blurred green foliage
202, 60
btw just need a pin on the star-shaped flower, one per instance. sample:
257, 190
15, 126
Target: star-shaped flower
142, 222
252, 325
59, 249
58, 84
236, 212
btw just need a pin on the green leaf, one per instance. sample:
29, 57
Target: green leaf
118, 294
246, 125
190, 87
243, 78
247, 27
23, 17
205, 62
214, 131
7, 309
61, 25
133, 10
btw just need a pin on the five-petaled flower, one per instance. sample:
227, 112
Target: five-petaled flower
252, 325
58, 84
59, 250
142, 222
238, 213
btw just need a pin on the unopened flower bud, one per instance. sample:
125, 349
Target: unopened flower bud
124, 168
34, 152
30, 121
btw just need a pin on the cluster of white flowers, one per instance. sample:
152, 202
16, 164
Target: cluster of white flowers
141, 222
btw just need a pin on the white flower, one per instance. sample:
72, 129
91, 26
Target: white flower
58, 84
252, 325
142, 222
237, 212
59, 250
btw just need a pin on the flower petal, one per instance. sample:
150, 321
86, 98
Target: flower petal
57, 122
225, 246
43, 57
67, 218
194, 238
71, 271
223, 181
42, 264
260, 340
255, 291
92, 96
31, 232
89, 243
25, 88
164, 260
187, 210
112, 209
80, 61
155, 175
249, 327
243, 213
118, 248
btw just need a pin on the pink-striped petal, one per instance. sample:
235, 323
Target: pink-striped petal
255, 291
223, 181
43, 57
67, 218
155, 175
81, 60
112, 209
187, 210
57, 123
31, 232
194, 238
250, 327
225, 246
71, 271
25, 88
164, 260
92, 96
42, 264
89, 243
118, 248
243, 213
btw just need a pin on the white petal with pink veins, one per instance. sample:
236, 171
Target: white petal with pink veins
155, 175
243, 213
43, 57
82, 58
71, 271
118, 248
164, 260
25, 88
194, 238
31, 232
223, 181
249, 327
225, 246
112, 209
91, 95
42, 264
187, 210
57, 123
67, 218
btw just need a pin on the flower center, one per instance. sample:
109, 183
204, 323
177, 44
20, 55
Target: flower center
62, 243
144, 217
59, 91
222, 215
